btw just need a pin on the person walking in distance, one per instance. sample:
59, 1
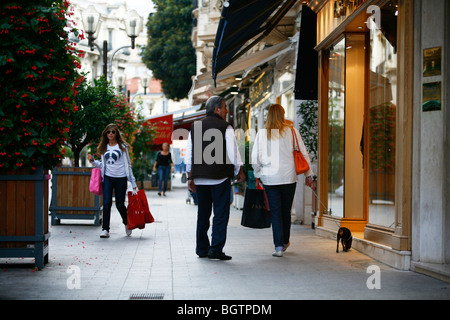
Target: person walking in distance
212, 160
116, 172
273, 164
164, 164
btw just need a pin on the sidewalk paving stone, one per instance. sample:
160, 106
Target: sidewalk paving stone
159, 262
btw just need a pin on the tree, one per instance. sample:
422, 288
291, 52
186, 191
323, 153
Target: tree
98, 105
169, 52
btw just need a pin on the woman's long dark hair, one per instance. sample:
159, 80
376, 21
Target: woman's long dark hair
101, 149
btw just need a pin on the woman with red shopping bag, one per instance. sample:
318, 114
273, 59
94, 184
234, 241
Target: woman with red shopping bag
116, 171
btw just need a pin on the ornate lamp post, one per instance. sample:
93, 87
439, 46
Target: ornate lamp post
120, 80
91, 23
133, 25
145, 81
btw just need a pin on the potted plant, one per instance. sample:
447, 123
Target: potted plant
38, 84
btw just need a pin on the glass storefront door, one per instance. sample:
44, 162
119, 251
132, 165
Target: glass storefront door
362, 81
382, 117
336, 117
346, 101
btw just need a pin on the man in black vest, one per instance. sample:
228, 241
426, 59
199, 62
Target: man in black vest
212, 161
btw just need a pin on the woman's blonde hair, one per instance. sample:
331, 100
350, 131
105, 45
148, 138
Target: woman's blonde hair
275, 121
101, 149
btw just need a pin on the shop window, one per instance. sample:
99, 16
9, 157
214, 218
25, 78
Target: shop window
382, 117
336, 113
346, 100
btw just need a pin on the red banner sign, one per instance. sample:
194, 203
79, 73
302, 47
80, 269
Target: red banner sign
164, 128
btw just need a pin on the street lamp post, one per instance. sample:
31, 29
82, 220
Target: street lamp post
120, 79
145, 81
91, 23
133, 26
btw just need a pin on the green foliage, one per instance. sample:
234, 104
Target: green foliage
99, 105
38, 81
308, 129
169, 52
142, 144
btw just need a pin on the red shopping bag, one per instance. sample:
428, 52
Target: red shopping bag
135, 212
147, 214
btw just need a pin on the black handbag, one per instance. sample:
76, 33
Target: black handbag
255, 213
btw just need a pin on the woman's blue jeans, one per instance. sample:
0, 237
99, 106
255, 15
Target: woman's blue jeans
163, 175
280, 202
119, 185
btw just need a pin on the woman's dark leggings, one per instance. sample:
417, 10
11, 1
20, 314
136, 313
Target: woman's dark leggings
119, 185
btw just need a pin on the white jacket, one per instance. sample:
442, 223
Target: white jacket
273, 160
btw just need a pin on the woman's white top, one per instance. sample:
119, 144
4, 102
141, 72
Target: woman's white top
116, 163
273, 160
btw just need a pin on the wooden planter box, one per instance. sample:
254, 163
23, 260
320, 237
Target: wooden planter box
24, 215
147, 185
71, 198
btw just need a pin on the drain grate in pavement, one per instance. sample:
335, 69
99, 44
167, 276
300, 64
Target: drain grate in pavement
146, 296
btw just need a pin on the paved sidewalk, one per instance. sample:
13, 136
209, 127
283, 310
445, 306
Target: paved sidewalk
159, 262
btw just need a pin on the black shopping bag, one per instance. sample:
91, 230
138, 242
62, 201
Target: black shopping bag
154, 180
255, 214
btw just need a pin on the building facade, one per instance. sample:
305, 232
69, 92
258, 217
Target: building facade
263, 76
383, 137
383, 133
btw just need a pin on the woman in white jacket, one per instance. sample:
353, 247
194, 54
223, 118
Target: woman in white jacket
273, 163
116, 172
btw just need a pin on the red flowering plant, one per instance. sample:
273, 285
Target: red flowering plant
39, 79
125, 117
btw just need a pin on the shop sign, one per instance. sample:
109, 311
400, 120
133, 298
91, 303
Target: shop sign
343, 8
432, 93
163, 129
432, 62
261, 89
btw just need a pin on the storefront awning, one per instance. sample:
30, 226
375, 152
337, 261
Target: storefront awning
240, 22
185, 122
245, 64
306, 78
